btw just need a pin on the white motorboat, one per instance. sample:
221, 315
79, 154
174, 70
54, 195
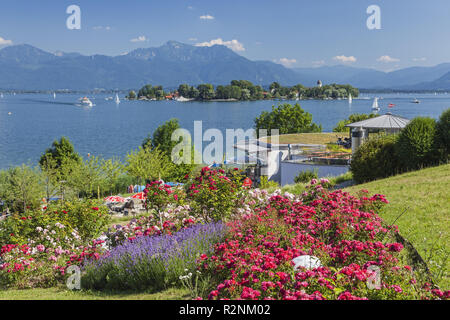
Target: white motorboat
85, 102
182, 99
416, 101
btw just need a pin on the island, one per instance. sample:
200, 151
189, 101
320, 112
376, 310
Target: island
244, 90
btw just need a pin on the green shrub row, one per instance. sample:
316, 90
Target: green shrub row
423, 142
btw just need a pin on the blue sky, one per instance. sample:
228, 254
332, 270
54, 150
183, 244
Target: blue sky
296, 33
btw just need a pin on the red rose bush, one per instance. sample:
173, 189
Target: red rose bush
343, 232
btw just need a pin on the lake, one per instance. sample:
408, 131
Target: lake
108, 130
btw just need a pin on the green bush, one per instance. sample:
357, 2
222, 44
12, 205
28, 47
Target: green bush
88, 217
306, 176
376, 158
85, 217
443, 136
416, 146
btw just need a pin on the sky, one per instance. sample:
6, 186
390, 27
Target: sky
295, 33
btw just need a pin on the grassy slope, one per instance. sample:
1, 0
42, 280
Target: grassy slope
63, 294
426, 223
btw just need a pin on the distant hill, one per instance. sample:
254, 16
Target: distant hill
443, 83
29, 68
420, 78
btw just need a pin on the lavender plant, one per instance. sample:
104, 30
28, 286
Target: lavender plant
147, 263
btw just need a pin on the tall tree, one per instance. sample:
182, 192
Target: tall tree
21, 187
148, 164
287, 119
62, 151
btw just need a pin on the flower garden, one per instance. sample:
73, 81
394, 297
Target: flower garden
220, 240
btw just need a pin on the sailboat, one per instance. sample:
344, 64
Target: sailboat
54, 95
117, 99
350, 100
375, 106
1, 95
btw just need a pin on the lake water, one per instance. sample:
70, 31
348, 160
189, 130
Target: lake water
108, 130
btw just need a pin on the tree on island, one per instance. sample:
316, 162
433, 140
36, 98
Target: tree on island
132, 95
206, 91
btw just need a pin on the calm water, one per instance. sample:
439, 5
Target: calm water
108, 129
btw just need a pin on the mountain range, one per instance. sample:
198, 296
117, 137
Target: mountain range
24, 67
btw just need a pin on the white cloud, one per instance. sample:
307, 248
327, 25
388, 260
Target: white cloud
207, 17
192, 39
107, 28
139, 39
345, 59
419, 59
286, 62
4, 42
232, 44
190, 7
387, 59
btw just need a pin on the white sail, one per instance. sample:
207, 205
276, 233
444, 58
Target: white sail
350, 100
54, 95
117, 98
375, 104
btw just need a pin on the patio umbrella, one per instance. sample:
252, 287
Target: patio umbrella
139, 195
114, 199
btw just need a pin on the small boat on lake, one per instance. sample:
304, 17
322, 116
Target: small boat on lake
182, 99
85, 102
375, 106
415, 101
117, 99
350, 99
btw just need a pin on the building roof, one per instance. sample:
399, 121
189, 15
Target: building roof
386, 121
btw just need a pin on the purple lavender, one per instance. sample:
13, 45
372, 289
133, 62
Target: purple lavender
152, 262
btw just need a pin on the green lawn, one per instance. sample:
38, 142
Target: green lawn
309, 138
426, 196
64, 294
